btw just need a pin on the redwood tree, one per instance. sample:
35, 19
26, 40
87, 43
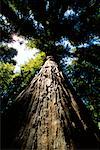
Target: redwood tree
48, 114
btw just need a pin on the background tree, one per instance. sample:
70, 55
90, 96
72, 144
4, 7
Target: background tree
84, 74
7, 65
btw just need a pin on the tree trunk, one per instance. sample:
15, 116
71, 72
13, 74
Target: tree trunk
48, 116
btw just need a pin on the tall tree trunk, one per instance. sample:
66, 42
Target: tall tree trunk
47, 115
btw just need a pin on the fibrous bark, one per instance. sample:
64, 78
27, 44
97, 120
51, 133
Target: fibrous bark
50, 117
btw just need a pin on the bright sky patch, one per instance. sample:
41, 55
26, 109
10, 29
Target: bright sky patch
24, 53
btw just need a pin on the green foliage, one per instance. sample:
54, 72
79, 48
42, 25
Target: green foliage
84, 74
35, 63
6, 29
6, 75
31, 44
6, 72
7, 54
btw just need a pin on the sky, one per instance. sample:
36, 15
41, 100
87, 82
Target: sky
23, 52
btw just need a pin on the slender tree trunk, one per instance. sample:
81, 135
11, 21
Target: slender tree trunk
48, 116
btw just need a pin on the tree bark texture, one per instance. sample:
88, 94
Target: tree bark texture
47, 116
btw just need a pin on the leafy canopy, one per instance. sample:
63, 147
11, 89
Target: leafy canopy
50, 20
